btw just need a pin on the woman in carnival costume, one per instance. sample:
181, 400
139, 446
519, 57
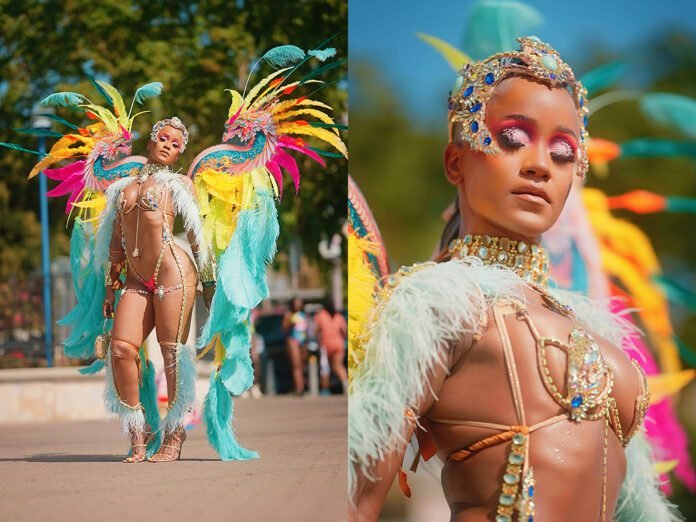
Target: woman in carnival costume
522, 390
125, 262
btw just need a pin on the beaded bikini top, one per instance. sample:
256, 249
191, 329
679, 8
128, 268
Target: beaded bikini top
588, 380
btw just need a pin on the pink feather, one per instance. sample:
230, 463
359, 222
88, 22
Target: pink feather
64, 172
290, 144
274, 169
286, 161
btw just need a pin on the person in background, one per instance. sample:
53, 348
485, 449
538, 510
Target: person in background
331, 331
295, 324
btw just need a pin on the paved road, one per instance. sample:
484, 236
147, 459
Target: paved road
71, 471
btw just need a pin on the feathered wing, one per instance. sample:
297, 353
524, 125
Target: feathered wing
237, 183
92, 159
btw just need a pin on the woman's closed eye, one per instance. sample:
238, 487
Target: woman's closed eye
513, 138
562, 151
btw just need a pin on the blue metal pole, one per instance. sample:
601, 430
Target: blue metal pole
45, 260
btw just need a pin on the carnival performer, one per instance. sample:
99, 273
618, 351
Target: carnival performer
124, 260
160, 284
522, 390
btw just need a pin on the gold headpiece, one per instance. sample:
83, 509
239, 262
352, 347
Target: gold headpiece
475, 83
174, 122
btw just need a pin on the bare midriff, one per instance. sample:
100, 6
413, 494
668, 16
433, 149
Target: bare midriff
578, 465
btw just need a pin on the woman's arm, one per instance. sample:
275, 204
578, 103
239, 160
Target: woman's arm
117, 258
371, 493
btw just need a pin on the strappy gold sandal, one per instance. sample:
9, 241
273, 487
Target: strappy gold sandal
137, 454
170, 450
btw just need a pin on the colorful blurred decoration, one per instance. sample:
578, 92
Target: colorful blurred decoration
367, 265
594, 252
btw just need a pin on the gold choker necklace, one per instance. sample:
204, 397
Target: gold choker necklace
529, 261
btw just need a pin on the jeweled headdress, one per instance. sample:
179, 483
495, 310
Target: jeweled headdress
171, 122
476, 81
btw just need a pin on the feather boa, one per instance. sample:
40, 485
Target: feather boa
131, 419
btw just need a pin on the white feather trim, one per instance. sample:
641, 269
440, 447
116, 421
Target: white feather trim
427, 312
106, 220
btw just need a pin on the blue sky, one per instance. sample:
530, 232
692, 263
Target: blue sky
384, 31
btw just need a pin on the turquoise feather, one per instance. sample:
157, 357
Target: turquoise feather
101, 91
326, 153
95, 367
61, 121
323, 54
675, 293
321, 70
494, 25
687, 354
63, 99
681, 204
218, 414
39, 132
20, 149
672, 111
149, 90
148, 398
283, 55
657, 147
602, 77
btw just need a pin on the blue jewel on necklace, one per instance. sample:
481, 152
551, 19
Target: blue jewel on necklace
577, 401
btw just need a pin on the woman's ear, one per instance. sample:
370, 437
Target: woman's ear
454, 163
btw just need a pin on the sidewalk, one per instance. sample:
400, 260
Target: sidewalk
70, 471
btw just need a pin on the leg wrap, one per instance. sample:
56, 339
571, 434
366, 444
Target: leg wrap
131, 416
184, 386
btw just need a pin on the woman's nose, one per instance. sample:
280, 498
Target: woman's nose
536, 161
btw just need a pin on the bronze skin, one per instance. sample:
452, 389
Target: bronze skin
139, 310
518, 193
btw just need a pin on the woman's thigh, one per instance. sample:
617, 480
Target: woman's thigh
133, 318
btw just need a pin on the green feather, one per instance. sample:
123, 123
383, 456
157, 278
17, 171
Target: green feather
322, 69
149, 90
494, 25
39, 132
658, 147
326, 153
675, 293
602, 77
64, 99
681, 204
671, 111
687, 354
328, 125
61, 121
20, 149
283, 55
101, 91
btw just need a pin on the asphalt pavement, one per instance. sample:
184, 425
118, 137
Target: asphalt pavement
71, 471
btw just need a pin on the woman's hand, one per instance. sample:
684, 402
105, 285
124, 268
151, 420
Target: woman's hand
208, 292
108, 306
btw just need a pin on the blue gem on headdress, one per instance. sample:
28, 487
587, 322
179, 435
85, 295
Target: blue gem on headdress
474, 126
468, 91
552, 76
487, 140
530, 491
490, 78
475, 108
450, 105
582, 102
584, 120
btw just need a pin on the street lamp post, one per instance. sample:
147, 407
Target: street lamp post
40, 122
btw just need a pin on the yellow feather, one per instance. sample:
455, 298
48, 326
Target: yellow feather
105, 115
237, 102
667, 384
322, 116
277, 91
293, 102
317, 132
117, 100
361, 287
454, 57
253, 92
